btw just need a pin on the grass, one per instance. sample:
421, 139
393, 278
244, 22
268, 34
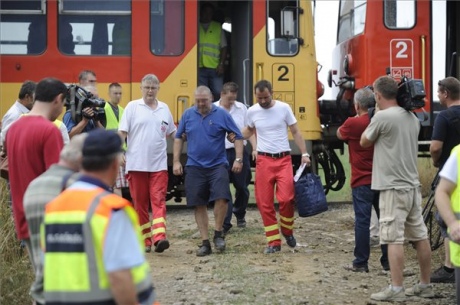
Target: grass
15, 268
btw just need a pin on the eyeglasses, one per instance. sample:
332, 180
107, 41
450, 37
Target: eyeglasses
150, 88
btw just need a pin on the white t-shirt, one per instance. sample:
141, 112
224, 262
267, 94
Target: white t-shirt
11, 116
449, 170
147, 130
271, 126
239, 114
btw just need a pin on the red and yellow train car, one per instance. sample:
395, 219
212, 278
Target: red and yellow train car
417, 39
123, 40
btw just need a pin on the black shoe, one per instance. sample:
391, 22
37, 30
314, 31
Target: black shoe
440, 275
386, 267
204, 250
161, 245
272, 249
354, 268
148, 249
219, 243
241, 222
225, 230
290, 240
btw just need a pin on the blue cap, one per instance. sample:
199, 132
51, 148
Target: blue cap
101, 143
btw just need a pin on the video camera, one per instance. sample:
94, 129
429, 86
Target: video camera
411, 94
78, 99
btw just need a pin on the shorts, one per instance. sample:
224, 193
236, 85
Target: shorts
401, 216
203, 185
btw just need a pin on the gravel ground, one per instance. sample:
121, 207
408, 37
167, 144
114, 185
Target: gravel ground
312, 273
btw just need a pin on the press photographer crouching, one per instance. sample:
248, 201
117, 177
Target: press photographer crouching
85, 110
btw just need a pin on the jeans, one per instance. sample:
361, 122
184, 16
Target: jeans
240, 182
363, 200
208, 77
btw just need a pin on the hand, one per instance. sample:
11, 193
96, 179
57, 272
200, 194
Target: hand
454, 232
184, 137
254, 155
306, 160
237, 167
123, 160
231, 137
220, 69
177, 168
88, 113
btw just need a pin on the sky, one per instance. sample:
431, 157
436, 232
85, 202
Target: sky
325, 36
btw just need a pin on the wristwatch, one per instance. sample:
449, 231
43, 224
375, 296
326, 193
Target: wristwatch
239, 160
306, 155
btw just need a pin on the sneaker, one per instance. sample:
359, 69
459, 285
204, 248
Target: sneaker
290, 240
204, 250
388, 294
241, 222
440, 275
219, 243
161, 245
148, 249
420, 291
272, 249
354, 268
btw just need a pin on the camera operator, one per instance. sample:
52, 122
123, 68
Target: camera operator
394, 132
89, 119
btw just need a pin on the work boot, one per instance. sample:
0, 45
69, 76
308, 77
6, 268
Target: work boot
272, 249
241, 222
354, 268
290, 240
148, 249
204, 249
219, 243
161, 245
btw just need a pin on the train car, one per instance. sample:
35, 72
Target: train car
123, 40
417, 39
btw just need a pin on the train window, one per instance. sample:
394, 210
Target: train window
167, 27
22, 27
283, 28
399, 14
352, 19
95, 27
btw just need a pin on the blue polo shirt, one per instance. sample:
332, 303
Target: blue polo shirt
206, 136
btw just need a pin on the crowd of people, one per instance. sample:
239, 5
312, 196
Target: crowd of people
85, 201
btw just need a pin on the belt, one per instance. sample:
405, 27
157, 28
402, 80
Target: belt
274, 156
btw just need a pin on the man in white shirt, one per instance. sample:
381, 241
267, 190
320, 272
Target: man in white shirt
240, 180
146, 123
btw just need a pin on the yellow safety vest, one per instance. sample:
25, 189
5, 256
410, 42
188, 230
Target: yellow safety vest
112, 122
73, 232
455, 204
209, 45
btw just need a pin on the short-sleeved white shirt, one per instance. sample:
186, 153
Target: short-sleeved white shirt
239, 114
11, 116
271, 126
147, 130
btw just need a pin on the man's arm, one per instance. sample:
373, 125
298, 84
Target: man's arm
123, 288
300, 142
339, 135
247, 132
365, 142
443, 194
177, 150
435, 151
123, 134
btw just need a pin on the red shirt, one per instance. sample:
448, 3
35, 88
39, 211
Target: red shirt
33, 144
360, 158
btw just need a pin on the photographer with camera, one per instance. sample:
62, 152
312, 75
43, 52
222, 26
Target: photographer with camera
446, 135
364, 198
394, 133
90, 117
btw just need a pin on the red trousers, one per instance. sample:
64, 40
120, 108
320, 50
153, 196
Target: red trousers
150, 187
271, 172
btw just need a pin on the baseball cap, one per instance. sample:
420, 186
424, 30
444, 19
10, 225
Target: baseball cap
101, 143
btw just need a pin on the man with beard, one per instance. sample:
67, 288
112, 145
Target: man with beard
269, 119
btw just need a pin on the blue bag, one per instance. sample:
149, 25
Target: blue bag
309, 195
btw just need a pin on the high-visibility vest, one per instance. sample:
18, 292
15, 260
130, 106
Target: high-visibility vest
455, 205
209, 45
112, 122
58, 123
73, 232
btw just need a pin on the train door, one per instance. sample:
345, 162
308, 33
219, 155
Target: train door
235, 19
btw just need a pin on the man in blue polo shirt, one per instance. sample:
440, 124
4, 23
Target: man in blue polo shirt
205, 127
